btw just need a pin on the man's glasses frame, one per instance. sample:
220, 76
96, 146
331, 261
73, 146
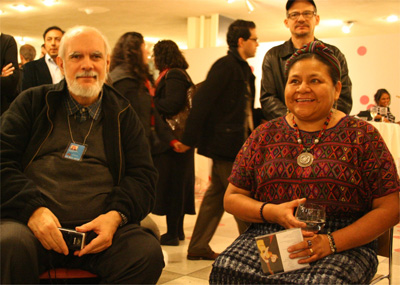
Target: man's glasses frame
306, 15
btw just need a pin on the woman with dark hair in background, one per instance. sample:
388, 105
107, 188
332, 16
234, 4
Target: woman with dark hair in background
131, 77
382, 99
175, 189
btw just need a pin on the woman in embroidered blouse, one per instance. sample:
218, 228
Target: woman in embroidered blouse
320, 155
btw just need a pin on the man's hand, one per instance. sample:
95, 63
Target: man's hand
7, 70
44, 225
105, 227
180, 147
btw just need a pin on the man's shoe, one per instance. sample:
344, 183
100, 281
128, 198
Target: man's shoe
209, 256
181, 236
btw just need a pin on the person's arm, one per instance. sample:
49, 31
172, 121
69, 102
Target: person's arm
271, 101
345, 101
384, 215
238, 202
20, 196
8, 84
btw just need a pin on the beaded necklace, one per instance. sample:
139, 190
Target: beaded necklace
306, 158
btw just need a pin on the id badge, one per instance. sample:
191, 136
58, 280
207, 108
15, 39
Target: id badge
75, 151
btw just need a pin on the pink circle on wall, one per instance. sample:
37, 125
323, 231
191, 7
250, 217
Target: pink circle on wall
364, 100
362, 50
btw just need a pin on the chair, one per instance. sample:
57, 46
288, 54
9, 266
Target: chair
385, 248
69, 275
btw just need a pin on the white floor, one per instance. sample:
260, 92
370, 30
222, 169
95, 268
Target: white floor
179, 270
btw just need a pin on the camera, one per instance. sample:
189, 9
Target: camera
74, 240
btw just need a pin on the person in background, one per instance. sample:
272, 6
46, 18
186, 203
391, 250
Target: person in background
218, 125
131, 77
175, 187
382, 99
75, 155
42, 51
319, 154
27, 53
301, 20
8, 65
45, 70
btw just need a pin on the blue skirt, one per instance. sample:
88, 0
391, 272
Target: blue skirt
240, 262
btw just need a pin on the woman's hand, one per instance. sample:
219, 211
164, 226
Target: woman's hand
283, 214
311, 249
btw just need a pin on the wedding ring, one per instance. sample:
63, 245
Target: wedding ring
309, 244
311, 251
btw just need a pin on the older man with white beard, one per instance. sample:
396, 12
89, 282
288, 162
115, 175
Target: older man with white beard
74, 155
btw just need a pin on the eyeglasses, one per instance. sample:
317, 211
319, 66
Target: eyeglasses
305, 14
256, 40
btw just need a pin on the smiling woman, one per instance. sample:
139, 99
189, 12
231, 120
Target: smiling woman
317, 154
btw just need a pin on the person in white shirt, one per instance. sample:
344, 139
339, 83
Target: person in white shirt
45, 69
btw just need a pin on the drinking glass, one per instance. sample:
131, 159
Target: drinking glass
373, 111
313, 215
383, 112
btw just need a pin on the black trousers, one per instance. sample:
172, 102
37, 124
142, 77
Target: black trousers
135, 257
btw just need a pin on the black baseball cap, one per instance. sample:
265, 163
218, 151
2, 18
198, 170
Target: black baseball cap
290, 3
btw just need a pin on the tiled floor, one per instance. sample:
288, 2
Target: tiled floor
179, 270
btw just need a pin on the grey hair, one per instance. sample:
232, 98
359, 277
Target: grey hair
74, 31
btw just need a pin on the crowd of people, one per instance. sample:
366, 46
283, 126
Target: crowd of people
89, 142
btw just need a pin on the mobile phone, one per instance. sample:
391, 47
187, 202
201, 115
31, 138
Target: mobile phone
74, 240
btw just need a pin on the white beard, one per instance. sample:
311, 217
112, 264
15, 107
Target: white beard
83, 91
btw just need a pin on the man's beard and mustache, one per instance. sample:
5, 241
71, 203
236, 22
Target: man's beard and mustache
85, 91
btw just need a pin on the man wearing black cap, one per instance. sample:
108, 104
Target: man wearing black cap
301, 19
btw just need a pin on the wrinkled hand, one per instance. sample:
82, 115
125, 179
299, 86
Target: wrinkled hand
105, 227
44, 225
7, 70
283, 214
319, 249
180, 147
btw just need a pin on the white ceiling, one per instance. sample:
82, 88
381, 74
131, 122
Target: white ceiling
167, 19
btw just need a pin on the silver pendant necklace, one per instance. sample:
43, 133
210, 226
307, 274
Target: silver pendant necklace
306, 158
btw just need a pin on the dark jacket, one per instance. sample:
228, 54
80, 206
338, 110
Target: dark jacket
273, 81
138, 95
216, 124
8, 84
36, 73
27, 124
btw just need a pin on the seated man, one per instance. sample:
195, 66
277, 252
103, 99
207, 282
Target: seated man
74, 155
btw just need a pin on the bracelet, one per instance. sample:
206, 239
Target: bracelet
261, 212
331, 242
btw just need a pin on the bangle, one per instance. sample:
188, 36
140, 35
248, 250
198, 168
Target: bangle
261, 212
332, 242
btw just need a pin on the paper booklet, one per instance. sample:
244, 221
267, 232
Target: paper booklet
273, 251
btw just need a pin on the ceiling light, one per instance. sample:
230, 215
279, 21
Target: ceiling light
392, 18
2, 12
347, 27
93, 10
230, 1
250, 6
21, 7
49, 2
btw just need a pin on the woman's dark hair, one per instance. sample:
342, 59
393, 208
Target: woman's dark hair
334, 75
128, 54
379, 94
168, 55
239, 29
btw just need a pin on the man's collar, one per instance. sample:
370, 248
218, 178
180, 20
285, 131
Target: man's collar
48, 58
74, 107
